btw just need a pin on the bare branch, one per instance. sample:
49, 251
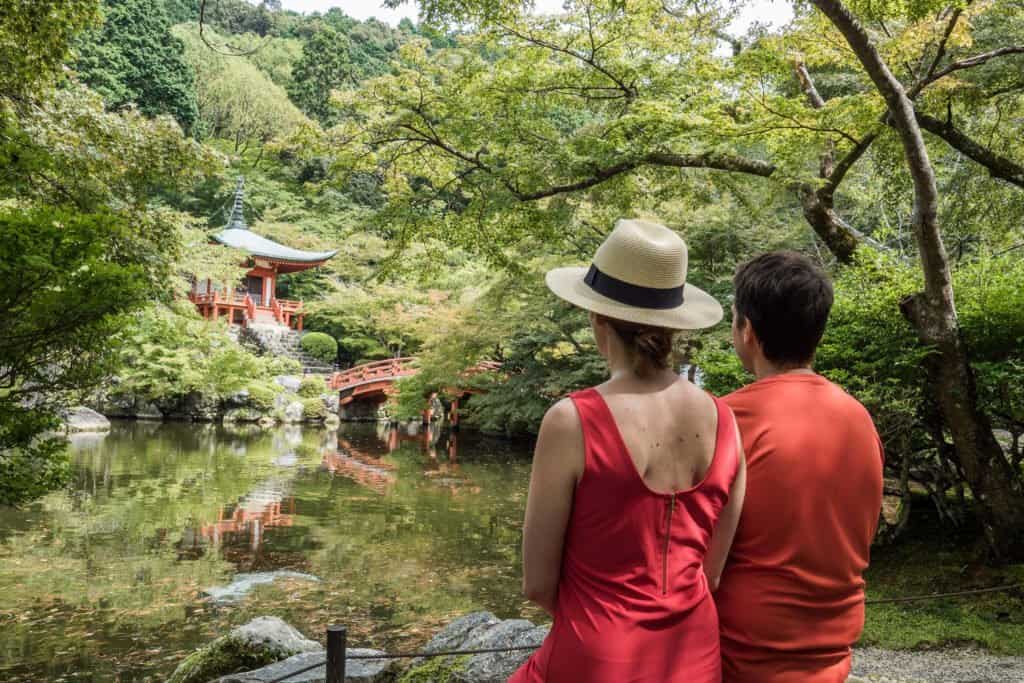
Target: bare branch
843, 166
998, 166
711, 160
940, 51
591, 60
807, 84
968, 63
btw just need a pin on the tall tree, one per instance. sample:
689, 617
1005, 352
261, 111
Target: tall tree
237, 101
134, 59
933, 311
325, 65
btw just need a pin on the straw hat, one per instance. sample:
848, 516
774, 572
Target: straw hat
638, 275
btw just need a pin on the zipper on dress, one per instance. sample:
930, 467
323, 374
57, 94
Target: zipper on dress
671, 505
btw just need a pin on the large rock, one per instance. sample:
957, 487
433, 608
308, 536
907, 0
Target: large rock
292, 412
194, 406
498, 666
262, 641
479, 630
82, 419
125, 405
243, 583
289, 382
146, 410
332, 402
363, 670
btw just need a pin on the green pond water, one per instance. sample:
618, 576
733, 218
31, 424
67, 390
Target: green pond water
148, 553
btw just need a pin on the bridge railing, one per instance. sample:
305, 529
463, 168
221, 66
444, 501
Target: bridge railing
367, 372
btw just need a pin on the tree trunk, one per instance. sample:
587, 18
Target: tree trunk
998, 494
998, 491
827, 224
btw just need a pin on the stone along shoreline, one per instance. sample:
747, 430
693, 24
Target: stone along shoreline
270, 649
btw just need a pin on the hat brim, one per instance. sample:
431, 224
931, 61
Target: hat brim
698, 310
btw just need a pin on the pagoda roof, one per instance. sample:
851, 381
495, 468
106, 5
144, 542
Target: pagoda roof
238, 236
257, 245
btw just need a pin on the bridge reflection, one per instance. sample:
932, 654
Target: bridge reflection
363, 461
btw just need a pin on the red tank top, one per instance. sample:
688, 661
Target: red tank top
633, 603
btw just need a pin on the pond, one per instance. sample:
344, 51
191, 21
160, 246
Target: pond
172, 533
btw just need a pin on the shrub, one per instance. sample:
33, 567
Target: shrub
262, 394
314, 409
312, 386
321, 346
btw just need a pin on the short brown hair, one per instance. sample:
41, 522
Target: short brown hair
787, 300
651, 346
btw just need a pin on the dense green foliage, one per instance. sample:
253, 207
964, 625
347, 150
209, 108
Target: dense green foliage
236, 100
35, 38
170, 352
324, 66
82, 244
63, 297
133, 59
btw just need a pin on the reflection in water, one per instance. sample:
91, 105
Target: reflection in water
264, 507
404, 526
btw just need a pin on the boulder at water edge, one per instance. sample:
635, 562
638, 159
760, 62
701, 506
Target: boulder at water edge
292, 412
262, 641
361, 670
479, 630
82, 419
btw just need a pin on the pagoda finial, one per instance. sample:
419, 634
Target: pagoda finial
237, 219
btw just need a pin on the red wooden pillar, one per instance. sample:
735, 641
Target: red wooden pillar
299, 327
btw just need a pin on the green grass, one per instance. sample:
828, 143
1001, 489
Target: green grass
933, 558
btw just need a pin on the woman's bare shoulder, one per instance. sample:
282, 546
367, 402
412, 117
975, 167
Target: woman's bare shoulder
561, 419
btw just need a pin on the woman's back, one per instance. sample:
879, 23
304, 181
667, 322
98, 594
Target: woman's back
633, 603
668, 434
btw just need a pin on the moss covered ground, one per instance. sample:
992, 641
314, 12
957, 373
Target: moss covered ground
933, 557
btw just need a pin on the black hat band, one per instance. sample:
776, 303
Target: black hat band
633, 295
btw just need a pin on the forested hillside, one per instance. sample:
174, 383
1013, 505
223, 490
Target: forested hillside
451, 166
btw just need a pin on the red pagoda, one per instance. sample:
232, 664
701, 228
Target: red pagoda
255, 300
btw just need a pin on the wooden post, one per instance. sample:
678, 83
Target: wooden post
336, 637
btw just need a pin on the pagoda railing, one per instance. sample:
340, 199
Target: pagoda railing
228, 299
285, 311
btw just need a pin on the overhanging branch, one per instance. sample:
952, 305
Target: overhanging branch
710, 160
998, 166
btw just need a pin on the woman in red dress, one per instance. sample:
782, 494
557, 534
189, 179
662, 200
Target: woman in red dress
636, 486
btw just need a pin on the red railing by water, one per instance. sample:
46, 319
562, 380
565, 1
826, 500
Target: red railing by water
393, 368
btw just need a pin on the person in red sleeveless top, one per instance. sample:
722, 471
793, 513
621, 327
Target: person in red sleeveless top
791, 599
636, 484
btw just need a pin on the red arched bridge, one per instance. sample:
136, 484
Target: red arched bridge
375, 381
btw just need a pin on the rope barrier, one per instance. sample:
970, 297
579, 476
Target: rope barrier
413, 655
937, 596
300, 671
489, 650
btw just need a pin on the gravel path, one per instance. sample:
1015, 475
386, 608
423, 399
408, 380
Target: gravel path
935, 666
